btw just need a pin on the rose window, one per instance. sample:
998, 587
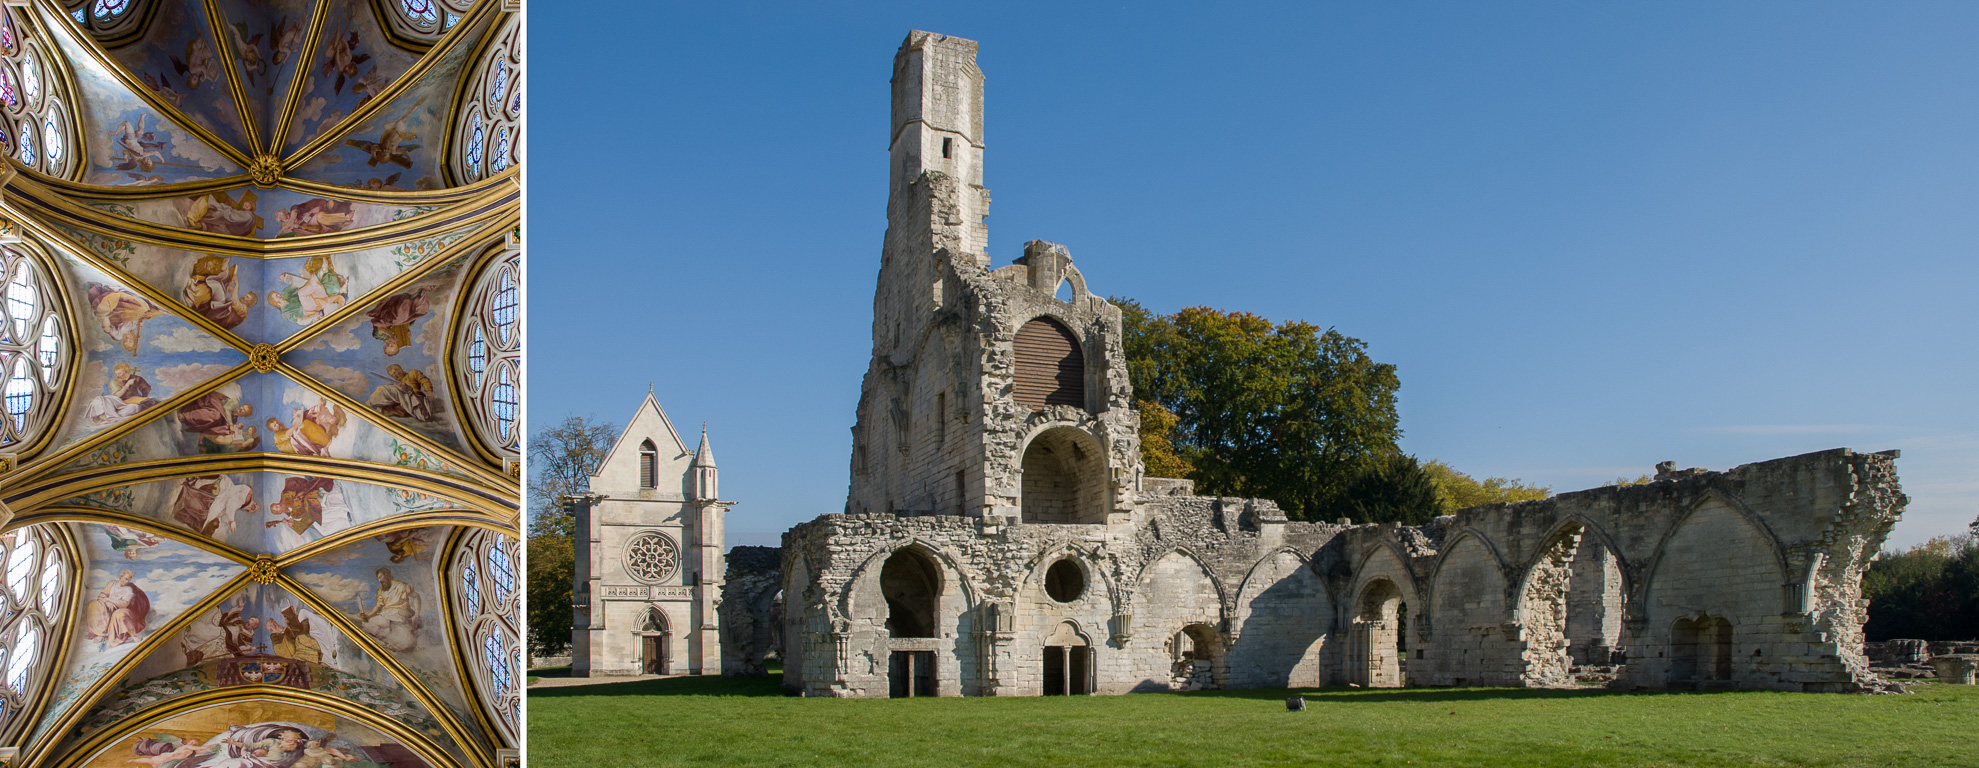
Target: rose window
651, 557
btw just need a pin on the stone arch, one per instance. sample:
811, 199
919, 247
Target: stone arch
1282, 616
1373, 642
1067, 656
1599, 587
911, 583
1712, 563
655, 641
1737, 507
1050, 365
1088, 560
1700, 651
1064, 477
1174, 590
1200, 661
1467, 603
1542, 609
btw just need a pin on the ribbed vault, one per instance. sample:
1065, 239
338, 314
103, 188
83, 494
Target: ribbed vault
279, 396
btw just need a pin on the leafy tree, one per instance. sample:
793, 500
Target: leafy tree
1928, 592
1158, 442
1456, 490
563, 457
1624, 481
1283, 411
1394, 489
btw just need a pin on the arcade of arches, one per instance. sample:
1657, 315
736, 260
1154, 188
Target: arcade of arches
1000, 537
262, 338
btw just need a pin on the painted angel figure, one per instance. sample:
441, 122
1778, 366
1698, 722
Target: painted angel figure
158, 752
316, 216
287, 37
343, 59
199, 65
118, 614
131, 541
247, 50
391, 146
121, 314
136, 148
220, 213
319, 754
308, 297
407, 545
163, 87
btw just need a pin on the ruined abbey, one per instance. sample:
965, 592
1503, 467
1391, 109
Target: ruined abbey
1000, 537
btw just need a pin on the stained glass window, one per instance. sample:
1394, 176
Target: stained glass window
471, 588
492, 625
32, 340
488, 359
501, 569
38, 96
499, 162
421, 12
487, 131
30, 82
35, 589
7, 89
52, 137
27, 144
104, 9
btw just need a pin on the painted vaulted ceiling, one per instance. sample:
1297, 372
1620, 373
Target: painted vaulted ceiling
260, 333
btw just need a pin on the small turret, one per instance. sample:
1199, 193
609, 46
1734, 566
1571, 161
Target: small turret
706, 476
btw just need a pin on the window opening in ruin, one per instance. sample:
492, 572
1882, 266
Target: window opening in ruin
649, 463
1571, 607
961, 493
1064, 479
912, 586
1197, 651
1701, 650
941, 418
1065, 581
1064, 292
947, 147
911, 673
1068, 662
1051, 366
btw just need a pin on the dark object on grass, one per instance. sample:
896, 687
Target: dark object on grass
1295, 704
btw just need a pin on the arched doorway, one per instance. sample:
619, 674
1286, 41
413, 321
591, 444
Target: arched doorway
1068, 662
655, 643
1198, 658
911, 583
1064, 478
1701, 651
1374, 649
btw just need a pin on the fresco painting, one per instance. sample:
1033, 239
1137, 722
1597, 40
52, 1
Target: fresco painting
397, 147
389, 357
262, 635
267, 41
260, 412
266, 214
134, 355
179, 60
126, 599
350, 66
397, 603
258, 734
131, 143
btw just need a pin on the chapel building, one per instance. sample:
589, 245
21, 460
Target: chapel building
649, 557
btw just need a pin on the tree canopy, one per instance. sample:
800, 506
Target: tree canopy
1456, 490
1927, 592
563, 457
1285, 411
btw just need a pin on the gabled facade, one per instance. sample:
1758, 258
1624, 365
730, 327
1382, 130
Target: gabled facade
649, 555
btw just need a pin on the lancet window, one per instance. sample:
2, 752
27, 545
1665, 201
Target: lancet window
35, 356
488, 607
422, 22
489, 374
38, 128
488, 124
34, 594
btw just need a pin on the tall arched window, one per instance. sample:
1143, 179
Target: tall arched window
488, 356
35, 586
35, 354
421, 23
487, 126
487, 605
649, 465
1051, 366
39, 128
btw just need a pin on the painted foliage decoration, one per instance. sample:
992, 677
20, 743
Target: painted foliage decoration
489, 374
35, 348
488, 609
39, 128
488, 123
34, 590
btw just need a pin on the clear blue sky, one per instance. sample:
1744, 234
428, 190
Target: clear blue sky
1591, 236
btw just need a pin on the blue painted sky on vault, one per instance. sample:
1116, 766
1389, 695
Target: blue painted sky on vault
1591, 237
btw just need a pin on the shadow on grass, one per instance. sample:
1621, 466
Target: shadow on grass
690, 685
563, 671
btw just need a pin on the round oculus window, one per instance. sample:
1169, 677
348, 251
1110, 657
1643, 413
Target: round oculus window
1065, 581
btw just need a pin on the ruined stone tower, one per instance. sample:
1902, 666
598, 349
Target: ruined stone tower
999, 394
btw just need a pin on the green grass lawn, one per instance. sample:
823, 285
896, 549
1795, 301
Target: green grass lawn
749, 721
